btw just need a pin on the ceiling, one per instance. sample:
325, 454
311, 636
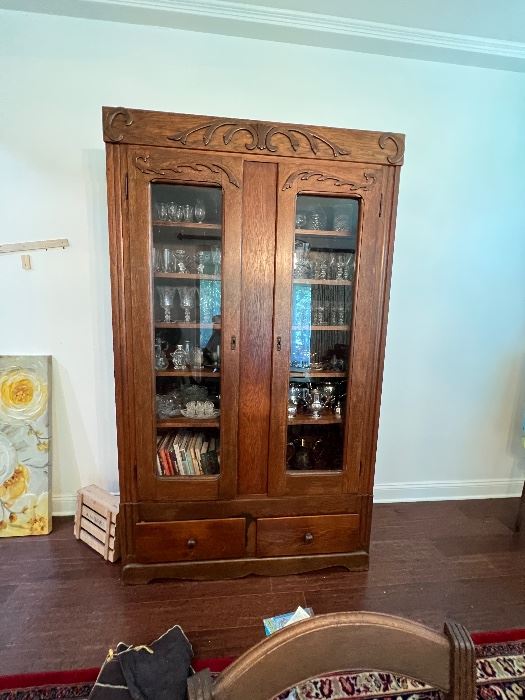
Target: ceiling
470, 32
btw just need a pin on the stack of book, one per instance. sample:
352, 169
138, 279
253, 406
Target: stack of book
187, 453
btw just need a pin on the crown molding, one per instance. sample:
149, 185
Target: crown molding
330, 24
295, 26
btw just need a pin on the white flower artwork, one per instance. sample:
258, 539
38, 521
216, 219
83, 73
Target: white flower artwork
25, 445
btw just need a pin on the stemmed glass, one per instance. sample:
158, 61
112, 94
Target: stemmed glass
340, 266
187, 301
180, 256
301, 259
166, 297
216, 260
349, 267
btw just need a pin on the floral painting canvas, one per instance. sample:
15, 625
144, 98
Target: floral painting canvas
25, 466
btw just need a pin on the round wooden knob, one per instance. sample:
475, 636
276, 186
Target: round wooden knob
191, 543
308, 538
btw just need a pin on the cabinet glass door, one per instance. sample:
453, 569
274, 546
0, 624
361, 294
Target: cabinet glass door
330, 255
324, 252
186, 229
184, 248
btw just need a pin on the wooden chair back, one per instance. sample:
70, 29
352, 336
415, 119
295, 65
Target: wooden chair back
352, 641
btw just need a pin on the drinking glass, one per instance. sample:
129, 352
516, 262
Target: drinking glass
340, 266
216, 260
317, 219
156, 260
162, 211
187, 210
167, 260
200, 262
187, 301
180, 256
161, 361
166, 297
323, 267
200, 211
301, 259
349, 267
300, 220
332, 266
319, 312
341, 220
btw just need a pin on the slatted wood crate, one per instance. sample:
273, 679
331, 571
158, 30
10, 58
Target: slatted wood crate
96, 521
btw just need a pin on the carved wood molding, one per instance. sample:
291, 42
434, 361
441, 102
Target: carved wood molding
261, 134
143, 164
397, 157
123, 119
369, 180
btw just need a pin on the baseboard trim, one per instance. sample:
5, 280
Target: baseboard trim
398, 492
64, 504
446, 490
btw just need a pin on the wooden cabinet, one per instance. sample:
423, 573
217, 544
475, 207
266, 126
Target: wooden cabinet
250, 267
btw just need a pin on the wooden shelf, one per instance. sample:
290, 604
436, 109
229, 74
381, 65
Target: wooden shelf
335, 283
321, 328
315, 232
316, 373
186, 224
183, 324
182, 422
188, 373
185, 276
328, 419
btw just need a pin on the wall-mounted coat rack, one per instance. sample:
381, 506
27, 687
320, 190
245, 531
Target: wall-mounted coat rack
32, 245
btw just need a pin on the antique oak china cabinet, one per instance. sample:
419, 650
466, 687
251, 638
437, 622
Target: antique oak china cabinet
250, 266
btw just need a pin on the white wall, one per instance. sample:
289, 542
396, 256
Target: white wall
454, 384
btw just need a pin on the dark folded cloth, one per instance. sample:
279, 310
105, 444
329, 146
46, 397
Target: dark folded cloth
155, 672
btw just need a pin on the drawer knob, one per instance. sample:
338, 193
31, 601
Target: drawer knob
191, 543
308, 538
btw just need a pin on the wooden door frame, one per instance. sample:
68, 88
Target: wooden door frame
371, 185
144, 167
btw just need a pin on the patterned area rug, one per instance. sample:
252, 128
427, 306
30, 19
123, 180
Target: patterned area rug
500, 670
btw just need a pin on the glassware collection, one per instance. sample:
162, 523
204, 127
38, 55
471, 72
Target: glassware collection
324, 261
186, 212
186, 267
315, 215
183, 261
314, 264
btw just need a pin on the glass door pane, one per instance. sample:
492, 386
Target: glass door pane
321, 321
186, 234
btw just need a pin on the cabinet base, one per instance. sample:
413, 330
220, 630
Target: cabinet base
237, 568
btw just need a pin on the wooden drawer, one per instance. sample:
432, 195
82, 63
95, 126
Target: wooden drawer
190, 540
308, 534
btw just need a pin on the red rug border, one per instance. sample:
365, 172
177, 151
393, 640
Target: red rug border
89, 675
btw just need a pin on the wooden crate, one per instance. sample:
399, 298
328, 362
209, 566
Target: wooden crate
96, 521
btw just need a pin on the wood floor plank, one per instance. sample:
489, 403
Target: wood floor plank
63, 607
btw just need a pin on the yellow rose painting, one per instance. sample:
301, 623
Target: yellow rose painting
24, 445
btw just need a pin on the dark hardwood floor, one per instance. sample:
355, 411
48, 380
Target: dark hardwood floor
63, 607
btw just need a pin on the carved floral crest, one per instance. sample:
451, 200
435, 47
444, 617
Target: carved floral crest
369, 180
143, 164
261, 136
